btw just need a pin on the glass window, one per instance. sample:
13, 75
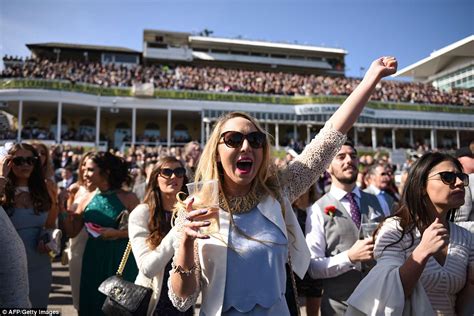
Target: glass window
126, 59
107, 58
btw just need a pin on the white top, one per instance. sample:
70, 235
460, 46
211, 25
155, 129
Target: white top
322, 267
381, 291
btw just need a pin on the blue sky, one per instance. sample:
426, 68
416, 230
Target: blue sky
407, 29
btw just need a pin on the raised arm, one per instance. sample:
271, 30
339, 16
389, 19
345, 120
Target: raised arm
308, 166
346, 115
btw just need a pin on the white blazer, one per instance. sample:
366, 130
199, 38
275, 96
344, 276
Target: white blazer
213, 252
151, 263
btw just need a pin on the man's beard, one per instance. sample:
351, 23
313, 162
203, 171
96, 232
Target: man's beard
348, 180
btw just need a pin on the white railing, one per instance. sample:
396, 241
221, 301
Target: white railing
73, 143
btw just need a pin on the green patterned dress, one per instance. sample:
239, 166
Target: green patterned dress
102, 257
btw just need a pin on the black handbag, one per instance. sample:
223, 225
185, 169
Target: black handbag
124, 298
291, 293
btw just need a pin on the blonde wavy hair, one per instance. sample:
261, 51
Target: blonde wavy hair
209, 168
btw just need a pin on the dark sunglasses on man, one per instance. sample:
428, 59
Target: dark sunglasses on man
449, 177
178, 172
233, 139
19, 161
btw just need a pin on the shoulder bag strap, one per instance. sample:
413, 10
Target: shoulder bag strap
123, 262
293, 283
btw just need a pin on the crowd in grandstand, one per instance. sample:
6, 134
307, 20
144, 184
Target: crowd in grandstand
226, 80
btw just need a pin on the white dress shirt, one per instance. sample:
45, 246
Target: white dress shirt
322, 267
381, 198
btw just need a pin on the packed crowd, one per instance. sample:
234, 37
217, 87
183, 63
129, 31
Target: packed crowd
229, 80
254, 237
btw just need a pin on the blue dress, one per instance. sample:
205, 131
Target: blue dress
251, 263
29, 226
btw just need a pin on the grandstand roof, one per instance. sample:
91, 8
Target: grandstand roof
266, 44
82, 47
439, 60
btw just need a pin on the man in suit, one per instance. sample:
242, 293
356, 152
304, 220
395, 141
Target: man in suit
379, 181
333, 231
466, 211
67, 177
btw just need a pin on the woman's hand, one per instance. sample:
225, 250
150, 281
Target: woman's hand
5, 165
434, 238
109, 233
192, 225
383, 66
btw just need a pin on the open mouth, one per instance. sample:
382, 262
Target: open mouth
244, 165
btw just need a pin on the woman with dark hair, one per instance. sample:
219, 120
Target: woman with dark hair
149, 225
99, 211
48, 171
27, 202
422, 256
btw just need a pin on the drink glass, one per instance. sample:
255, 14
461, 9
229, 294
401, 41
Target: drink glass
368, 229
206, 196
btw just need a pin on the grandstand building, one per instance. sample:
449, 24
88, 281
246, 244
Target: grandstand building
185, 48
107, 107
451, 67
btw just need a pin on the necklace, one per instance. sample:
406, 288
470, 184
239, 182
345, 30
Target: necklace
240, 204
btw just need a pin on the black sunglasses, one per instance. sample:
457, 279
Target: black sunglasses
234, 139
19, 161
178, 172
449, 177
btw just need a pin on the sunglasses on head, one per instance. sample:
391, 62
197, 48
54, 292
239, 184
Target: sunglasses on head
19, 161
234, 139
449, 177
178, 172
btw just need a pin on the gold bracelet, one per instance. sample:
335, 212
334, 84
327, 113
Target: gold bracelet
180, 270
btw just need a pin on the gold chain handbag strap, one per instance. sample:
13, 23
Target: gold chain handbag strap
123, 262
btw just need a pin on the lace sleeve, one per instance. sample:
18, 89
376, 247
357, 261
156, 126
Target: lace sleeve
307, 167
183, 304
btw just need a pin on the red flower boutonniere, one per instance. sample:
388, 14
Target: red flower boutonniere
330, 210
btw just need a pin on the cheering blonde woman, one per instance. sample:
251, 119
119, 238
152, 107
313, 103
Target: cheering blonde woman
241, 269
